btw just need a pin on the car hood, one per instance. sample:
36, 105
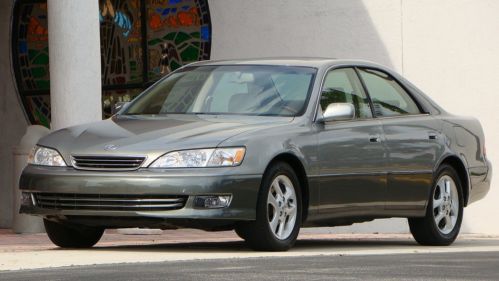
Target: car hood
152, 136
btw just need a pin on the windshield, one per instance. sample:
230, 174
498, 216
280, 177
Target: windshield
234, 89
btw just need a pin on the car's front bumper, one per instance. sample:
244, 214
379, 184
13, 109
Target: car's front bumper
177, 182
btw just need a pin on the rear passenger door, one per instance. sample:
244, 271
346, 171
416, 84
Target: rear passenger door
412, 140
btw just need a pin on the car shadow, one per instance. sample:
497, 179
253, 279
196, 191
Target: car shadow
302, 245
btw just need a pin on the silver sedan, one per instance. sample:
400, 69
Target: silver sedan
263, 147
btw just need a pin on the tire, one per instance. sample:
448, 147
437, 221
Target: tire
240, 232
278, 214
444, 214
72, 236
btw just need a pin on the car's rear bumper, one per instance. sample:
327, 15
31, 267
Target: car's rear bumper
480, 182
145, 182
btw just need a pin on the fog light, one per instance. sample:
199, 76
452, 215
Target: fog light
212, 202
27, 199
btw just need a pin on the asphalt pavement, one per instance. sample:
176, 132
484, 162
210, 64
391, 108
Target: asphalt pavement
319, 254
434, 266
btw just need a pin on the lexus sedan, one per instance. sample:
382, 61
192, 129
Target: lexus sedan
263, 147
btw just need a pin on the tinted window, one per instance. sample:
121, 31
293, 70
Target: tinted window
343, 86
388, 97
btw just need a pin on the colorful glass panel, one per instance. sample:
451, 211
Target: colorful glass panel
134, 47
39, 107
178, 33
32, 47
121, 42
110, 98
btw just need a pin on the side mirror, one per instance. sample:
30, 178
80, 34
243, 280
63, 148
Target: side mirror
118, 106
338, 112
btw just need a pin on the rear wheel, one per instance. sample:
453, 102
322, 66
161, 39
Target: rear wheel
72, 236
444, 215
278, 214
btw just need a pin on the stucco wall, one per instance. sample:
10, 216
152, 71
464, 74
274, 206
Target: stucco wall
331, 28
452, 52
448, 48
12, 121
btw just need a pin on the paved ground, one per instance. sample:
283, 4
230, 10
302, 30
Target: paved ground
446, 266
318, 252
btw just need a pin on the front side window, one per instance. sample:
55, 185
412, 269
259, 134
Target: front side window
343, 86
388, 97
234, 89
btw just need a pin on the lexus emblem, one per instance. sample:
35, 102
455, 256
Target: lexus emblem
109, 147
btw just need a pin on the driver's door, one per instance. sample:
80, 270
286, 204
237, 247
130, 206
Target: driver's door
352, 155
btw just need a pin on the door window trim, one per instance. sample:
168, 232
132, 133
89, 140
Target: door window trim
422, 110
323, 81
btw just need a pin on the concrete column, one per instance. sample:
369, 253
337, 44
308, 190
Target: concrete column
75, 66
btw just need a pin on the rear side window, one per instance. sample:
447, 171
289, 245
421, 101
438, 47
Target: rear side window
388, 97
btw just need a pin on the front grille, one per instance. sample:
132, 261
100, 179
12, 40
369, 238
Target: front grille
125, 163
105, 202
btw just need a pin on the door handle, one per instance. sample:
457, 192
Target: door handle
432, 136
375, 138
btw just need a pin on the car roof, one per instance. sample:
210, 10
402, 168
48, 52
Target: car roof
322, 64
316, 62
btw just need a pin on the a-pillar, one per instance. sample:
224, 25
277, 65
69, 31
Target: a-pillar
75, 62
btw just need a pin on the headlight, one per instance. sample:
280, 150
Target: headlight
211, 157
45, 156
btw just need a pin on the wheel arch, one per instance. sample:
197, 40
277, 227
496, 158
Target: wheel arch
299, 169
460, 167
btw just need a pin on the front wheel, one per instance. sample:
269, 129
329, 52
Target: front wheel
278, 214
444, 215
72, 236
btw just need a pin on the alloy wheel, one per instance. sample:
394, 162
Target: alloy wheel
281, 207
445, 204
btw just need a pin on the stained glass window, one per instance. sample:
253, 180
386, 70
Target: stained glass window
121, 42
39, 107
178, 33
141, 41
110, 97
32, 47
